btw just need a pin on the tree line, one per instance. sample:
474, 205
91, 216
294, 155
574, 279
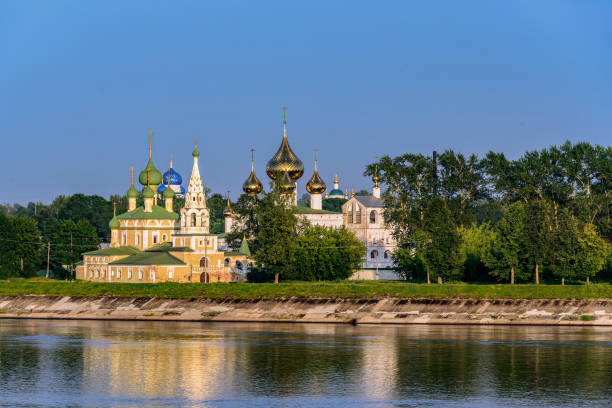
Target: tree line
546, 214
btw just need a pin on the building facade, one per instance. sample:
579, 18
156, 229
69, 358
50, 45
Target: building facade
152, 243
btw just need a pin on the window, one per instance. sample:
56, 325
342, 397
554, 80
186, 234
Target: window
151, 276
357, 215
387, 254
227, 262
204, 262
164, 237
193, 220
112, 272
155, 239
140, 274
170, 273
130, 273
137, 238
239, 265
118, 273
372, 217
374, 254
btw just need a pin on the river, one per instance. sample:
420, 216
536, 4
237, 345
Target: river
54, 363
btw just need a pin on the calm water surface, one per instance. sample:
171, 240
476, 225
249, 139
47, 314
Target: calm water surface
159, 364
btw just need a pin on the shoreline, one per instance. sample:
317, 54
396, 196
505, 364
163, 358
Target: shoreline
317, 310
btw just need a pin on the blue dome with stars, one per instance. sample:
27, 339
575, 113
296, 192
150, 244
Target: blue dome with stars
172, 177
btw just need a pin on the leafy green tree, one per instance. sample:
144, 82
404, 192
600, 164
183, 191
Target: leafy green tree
26, 248
507, 250
593, 253
333, 204
442, 251
538, 233
277, 230
461, 184
69, 241
326, 254
475, 241
410, 264
216, 204
566, 246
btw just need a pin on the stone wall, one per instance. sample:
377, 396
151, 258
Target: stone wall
317, 310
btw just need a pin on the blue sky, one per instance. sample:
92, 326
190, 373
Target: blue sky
81, 83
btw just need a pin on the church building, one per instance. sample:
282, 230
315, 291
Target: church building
152, 243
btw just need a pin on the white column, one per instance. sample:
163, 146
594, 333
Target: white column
316, 201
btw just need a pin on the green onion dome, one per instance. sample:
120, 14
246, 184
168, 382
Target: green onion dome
114, 223
132, 192
336, 193
196, 152
285, 184
148, 193
153, 178
168, 193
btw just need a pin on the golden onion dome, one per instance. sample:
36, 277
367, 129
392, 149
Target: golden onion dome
285, 160
315, 185
285, 184
252, 185
228, 212
375, 176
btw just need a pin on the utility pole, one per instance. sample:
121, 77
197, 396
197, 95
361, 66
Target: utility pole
48, 252
71, 256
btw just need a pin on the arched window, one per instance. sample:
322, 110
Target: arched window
372, 217
239, 265
137, 238
227, 262
164, 237
193, 220
357, 214
204, 262
374, 254
387, 254
155, 239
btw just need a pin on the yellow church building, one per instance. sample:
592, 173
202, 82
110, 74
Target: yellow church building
152, 243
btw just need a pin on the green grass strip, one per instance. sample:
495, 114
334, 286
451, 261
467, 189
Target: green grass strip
345, 289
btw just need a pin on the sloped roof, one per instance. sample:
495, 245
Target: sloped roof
157, 213
167, 247
126, 250
308, 210
371, 201
149, 258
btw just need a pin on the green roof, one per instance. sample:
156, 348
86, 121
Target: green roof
114, 223
153, 178
158, 213
232, 253
244, 248
308, 210
148, 192
167, 247
168, 193
149, 258
336, 192
126, 250
132, 192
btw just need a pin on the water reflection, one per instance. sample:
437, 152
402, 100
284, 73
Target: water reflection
124, 364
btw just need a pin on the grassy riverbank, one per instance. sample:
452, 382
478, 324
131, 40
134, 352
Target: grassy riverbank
352, 289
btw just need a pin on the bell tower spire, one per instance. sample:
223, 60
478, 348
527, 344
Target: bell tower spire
195, 216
